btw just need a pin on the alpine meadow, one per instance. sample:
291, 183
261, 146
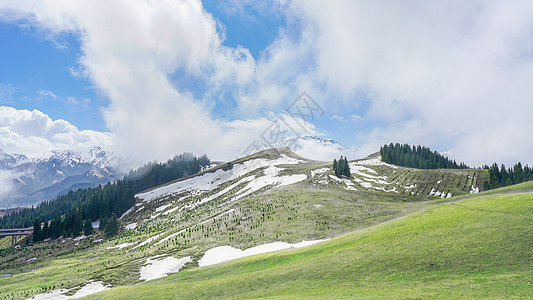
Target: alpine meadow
243, 149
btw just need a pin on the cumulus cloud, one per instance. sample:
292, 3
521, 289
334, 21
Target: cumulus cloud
448, 74
33, 133
130, 51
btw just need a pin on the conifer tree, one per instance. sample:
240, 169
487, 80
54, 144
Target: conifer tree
103, 223
347, 168
111, 228
37, 230
55, 226
77, 225
88, 227
341, 167
45, 231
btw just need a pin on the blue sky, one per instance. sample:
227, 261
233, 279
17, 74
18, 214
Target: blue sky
184, 75
34, 68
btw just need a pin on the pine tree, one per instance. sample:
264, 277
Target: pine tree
347, 168
45, 232
518, 173
103, 223
77, 225
342, 166
55, 226
37, 230
111, 228
88, 227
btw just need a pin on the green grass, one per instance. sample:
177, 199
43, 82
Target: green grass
475, 248
524, 187
316, 208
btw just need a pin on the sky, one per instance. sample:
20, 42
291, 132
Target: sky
151, 79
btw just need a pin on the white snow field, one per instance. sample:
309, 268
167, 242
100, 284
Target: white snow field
157, 268
120, 246
349, 183
210, 181
319, 171
375, 161
88, 289
130, 226
225, 253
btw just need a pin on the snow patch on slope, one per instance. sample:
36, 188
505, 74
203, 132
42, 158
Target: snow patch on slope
376, 161
474, 190
319, 172
210, 181
120, 246
155, 268
130, 226
225, 253
349, 183
88, 289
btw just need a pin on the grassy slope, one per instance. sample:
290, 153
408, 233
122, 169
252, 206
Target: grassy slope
316, 208
308, 210
479, 247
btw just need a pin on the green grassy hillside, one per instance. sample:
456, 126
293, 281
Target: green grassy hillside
271, 196
479, 247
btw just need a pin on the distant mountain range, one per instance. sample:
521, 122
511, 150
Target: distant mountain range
28, 181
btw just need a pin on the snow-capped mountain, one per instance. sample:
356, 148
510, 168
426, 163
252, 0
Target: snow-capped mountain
27, 181
309, 146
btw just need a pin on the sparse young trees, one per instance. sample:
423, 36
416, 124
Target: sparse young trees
423, 158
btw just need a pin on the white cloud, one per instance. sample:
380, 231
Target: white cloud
353, 118
6, 92
33, 133
356, 117
440, 72
130, 50
6, 188
339, 118
47, 94
449, 74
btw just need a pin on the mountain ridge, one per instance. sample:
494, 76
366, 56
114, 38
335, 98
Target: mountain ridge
36, 179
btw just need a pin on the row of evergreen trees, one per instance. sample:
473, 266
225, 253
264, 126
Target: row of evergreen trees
341, 167
423, 158
499, 177
101, 202
417, 157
